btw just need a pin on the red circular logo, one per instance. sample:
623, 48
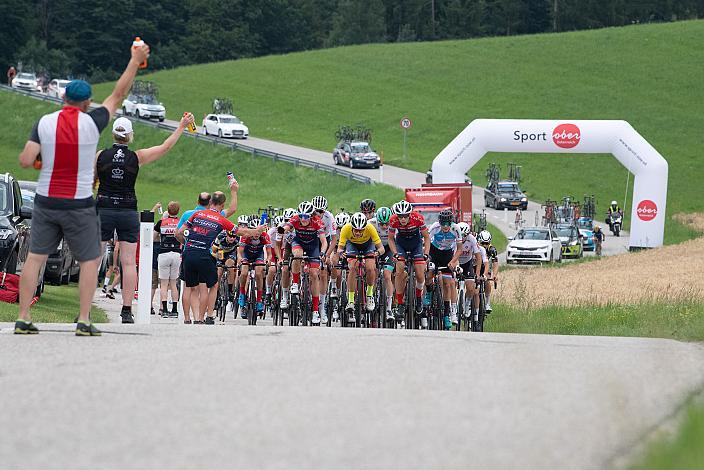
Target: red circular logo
566, 136
647, 210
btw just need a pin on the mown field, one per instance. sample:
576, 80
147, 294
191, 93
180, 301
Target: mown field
645, 74
59, 304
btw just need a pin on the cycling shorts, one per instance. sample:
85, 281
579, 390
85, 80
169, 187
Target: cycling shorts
468, 269
311, 250
414, 247
441, 258
386, 259
353, 249
199, 269
253, 256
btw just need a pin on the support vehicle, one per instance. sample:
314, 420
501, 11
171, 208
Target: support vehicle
430, 199
534, 245
505, 194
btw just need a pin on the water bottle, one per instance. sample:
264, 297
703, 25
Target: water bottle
138, 42
264, 219
192, 126
230, 178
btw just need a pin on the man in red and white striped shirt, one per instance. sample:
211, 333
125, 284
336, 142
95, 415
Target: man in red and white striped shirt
67, 141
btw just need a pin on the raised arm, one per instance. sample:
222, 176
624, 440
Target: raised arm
234, 188
123, 85
153, 154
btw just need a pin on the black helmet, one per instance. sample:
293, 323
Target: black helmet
445, 216
367, 205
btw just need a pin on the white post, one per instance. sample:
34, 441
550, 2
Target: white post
146, 237
506, 215
381, 173
181, 314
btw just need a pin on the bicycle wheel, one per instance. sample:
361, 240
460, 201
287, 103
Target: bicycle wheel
236, 305
460, 308
221, 302
410, 300
252, 302
359, 309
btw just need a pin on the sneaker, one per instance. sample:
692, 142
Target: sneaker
153, 312
209, 320
370, 303
23, 327
110, 294
448, 324
453, 318
242, 300
260, 307
86, 329
197, 322
400, 312
173, 314
390, 315
488, 307
294, 288
324, 318
187, 322
349, 309
284, 302
163, 314
333, 293
424, 323
127, 316
243, 314
316, 318
427, 298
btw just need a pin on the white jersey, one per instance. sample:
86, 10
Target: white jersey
329, 222
383, 233
273, 236
469, 247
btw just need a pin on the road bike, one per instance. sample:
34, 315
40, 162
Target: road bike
436, 312
480, 313
463, 318
300, 309
362, 316
410, 320
277, 314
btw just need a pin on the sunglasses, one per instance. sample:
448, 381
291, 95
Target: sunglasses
304, 216
404, 216
445, 224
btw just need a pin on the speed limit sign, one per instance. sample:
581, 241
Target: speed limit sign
406, 123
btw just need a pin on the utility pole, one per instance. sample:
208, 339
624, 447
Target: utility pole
554, 16
432, 17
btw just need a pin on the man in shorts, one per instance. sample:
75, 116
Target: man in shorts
67, 141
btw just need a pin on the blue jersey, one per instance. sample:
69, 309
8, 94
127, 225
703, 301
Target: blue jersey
444, 240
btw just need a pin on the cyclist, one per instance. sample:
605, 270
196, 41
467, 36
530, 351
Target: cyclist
368, 208
381, 223
599, 237
283, 241
255, 253
470, 263
309, 230
359, 237
490, 265
274, 256
224, 250
169, 258
408, 234
320, 204
444, 235
341, 219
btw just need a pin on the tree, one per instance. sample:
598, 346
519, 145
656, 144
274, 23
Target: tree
358, 22
36, 57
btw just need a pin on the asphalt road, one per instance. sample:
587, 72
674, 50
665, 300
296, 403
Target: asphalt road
167, 396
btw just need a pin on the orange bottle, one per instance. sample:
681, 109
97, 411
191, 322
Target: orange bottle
192, 126
38, 163
137, 43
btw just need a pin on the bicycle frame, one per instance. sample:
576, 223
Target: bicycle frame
301, 303
360, 297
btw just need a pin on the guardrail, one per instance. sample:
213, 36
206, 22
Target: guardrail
255, 152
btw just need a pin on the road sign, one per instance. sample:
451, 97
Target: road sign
406, 123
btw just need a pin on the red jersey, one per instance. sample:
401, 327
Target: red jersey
306, 233
255, 244
416, 225
204, 227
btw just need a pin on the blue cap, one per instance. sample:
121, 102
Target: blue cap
78, 90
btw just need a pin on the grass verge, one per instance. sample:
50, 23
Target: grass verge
681, 321
59, 304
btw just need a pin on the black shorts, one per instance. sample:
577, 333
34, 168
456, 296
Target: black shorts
441, 257
124, 221
468, 269
199, 269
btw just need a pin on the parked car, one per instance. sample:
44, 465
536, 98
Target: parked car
61, 266
57, 88
585, 225
355, 154
15, 229
534, 244
143, 106
503, 194
571, 240
225, 125
26, 81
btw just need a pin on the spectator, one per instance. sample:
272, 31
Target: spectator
11, 73
169, 257
117, 169
67, 141
190, 294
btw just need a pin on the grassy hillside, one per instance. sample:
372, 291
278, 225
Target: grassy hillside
649, 75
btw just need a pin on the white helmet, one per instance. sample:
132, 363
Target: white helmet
320, 203
278, 220
465, 229
484, 236
341, 219
358, 221
253, 222
306, 208
402, 208
243, 219
288, 213
614, 203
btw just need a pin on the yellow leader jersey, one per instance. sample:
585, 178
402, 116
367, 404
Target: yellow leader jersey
369, 232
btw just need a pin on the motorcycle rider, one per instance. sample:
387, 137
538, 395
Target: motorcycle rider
614, 208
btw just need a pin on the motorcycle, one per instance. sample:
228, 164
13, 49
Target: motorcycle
615, 221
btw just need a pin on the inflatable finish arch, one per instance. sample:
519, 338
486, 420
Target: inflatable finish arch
548, 136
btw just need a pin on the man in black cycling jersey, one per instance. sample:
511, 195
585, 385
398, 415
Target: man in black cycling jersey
224, 250
490, 267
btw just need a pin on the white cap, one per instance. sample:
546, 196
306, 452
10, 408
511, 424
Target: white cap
124, 124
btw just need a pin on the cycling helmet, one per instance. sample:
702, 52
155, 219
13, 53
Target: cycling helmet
320, 203
367, 205
358, 221
306, 208
383, 214
243, 219
445, 216
288, 213
614, 203
342, 219
484, 236
278, 220
465, 229
253, 222
402, 208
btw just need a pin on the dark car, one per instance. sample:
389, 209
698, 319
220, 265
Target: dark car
15, 228
501, 194
61, 266
355, 154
